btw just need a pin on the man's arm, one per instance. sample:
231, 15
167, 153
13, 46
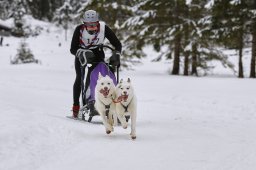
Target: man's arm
75, 40
110, 35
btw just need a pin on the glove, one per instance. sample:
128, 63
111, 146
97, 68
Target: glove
82, 58
78, 52
114, 60
85, 56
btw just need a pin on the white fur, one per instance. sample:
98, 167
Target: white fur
125, 88
101, 101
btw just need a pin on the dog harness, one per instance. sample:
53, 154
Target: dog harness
125, 107
107, 107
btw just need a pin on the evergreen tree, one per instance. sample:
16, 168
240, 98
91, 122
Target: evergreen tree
18, 14
151, 23
44, 9
230, 24
4, 9
24, 55
64, 16
182, 26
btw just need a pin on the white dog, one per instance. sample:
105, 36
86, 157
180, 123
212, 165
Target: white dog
104, 95
127, 105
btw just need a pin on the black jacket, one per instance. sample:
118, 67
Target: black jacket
109, 34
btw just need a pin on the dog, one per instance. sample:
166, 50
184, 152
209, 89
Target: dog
127, 105
104, 95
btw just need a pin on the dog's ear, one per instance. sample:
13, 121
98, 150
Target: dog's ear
100, 76
129, 80
121, 81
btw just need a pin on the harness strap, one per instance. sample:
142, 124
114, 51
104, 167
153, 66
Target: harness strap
107, 107
117, 101
125, 107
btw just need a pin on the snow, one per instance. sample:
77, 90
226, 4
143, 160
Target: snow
195, 123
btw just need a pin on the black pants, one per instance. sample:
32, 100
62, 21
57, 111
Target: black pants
77, 83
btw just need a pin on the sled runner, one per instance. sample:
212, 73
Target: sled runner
88, 92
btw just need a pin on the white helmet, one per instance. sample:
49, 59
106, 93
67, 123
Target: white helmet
91, 16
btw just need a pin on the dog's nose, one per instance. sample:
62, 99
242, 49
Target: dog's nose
105, 88
125, 92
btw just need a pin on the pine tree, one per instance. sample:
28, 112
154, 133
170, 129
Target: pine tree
18, 14
24, 55
64, 16
44, 9
182, 26
230, 21
200, 43
151, 25
5, 9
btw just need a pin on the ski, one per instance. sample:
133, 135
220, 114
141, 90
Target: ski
84, 116
79, 119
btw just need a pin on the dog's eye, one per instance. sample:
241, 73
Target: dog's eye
128, 88
102, 84
108, 83
121, 88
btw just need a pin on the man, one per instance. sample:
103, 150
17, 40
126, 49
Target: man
91, 32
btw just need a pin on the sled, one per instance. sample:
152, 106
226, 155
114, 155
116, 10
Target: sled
101, 67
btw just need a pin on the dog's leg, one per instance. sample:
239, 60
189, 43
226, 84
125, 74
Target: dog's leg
108, 127
122, 120
115, 119
121, 116
110, 118
133, 124
113, 113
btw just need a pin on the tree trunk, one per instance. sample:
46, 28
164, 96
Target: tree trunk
194, 60
253, 63
240, 62
177, 39
186, 63
186, 40
176, 62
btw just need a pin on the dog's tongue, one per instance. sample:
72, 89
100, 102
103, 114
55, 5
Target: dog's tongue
122, 98
104, 92
125, 97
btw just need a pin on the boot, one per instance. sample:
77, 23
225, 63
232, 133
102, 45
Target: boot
92, 109
75, 110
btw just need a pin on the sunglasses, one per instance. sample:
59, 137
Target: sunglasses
93, 24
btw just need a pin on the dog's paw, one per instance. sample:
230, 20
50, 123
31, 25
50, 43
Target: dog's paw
133, 136
110, 128
125, 125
